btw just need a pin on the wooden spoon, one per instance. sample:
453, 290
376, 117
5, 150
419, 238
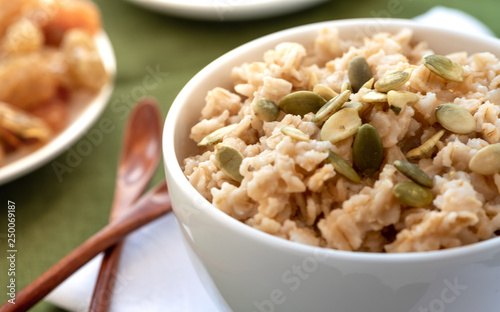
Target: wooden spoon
148, 208
140, 156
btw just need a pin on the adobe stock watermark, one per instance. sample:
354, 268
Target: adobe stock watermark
448, 294
122, 280
292, 280
381, 17
105, 126
223, 6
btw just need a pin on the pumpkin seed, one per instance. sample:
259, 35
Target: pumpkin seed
356, 105
425, 149
393, 80
345, 86
229, 159
414, 173
265, 109
341, 125
324, 91
294, 133
487, 160
368, 84
455, 118
413, 195
367, 150
331, 107
313, 80
374, 97
358, 72
444, 67
301, 103
398, 100
216, 136
342, 167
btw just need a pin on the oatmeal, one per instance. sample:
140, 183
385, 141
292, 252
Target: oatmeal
379, 146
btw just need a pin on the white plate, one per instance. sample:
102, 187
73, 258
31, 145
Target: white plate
226, 10
83, 112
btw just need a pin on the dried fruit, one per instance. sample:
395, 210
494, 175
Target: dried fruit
23, 124
85, 65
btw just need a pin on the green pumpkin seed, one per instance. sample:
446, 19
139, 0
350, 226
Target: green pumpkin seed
414, 173
265, 109
342, 167
425, 149
455, 118
413, 195
398, 100
444, 67
216, 136
356, 105
393, 80
331, 107
229, 160
341, 125
345, 86
294, 133
374, 97
324, 91
301, 103
487, 160
367, 150
359, 72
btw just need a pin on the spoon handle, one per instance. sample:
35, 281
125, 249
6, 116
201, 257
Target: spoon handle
104, 287
148, 208
139, 158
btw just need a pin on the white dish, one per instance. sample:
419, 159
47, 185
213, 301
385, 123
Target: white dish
83, 112
253, 271
226, 10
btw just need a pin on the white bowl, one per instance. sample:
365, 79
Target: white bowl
254, 271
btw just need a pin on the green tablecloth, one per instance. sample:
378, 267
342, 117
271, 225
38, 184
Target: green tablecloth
54, 217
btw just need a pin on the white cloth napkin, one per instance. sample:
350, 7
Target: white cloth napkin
155, 271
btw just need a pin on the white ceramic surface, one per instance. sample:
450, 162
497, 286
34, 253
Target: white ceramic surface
226, 10
254, 271
83, 112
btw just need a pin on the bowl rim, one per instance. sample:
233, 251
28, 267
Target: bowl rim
172, 166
